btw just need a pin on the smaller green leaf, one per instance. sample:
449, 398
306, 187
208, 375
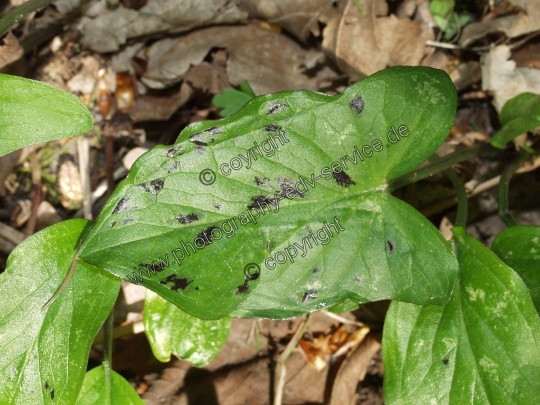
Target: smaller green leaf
44, 352
518, 116
232, 100
441, 8
483, 347
97, 390
33, 112
519, 248
173, 331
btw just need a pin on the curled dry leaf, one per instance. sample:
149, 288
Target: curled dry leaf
269, 61
112, 28
154, 108
10, 51
319, 351
512, 25
366, 42
297, 17
504, 79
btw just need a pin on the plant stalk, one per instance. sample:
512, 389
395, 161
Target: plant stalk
19, 13
436, 167
504, 186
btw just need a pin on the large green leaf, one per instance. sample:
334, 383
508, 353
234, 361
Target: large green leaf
352, 239
519, 248
173, 331
33, 112
44, 352
483, 347
111, 389
518, 116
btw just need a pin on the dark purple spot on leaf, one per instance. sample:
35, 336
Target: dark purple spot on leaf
178, 283
123, 206
261, 202
343, 179
187, 219
357, 104
272, 128
445, 362
309, 294
275, 107
52, 394
243, 289
316, 270
390, 246
206, 235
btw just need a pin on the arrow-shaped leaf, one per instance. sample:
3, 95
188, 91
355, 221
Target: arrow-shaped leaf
282, 208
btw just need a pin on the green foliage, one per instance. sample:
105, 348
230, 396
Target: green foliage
33, 112
45, 352
518, 116
519, 248
103, 386
167, 202
172, 331
305, 178
232, 100
482, 347
449, 21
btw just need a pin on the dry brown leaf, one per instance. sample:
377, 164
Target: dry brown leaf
501, 76
324, 347
154, 108
10, 51
298, 17
270, 62
109, 30
512, 26
352, 371
369, 41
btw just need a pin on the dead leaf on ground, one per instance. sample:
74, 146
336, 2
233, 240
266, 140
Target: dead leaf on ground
353, 370
369, 41
298, 17
501, 76
155, 108
10, 51
112, 28
512, 25
270, 62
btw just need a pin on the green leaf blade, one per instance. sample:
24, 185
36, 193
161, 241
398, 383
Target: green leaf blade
518, 116
482, 347
519, 248
44, 353
338, 152
94, 389
172, 331
33, 112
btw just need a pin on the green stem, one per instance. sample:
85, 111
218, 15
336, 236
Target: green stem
504, 185
19, 13
108, 327
463, 202
436, 167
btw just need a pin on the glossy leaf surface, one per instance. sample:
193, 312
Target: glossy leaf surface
519, 248
483, 347
44, 352
98, 388
518, 116
33, 112
173, 331
282, 208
